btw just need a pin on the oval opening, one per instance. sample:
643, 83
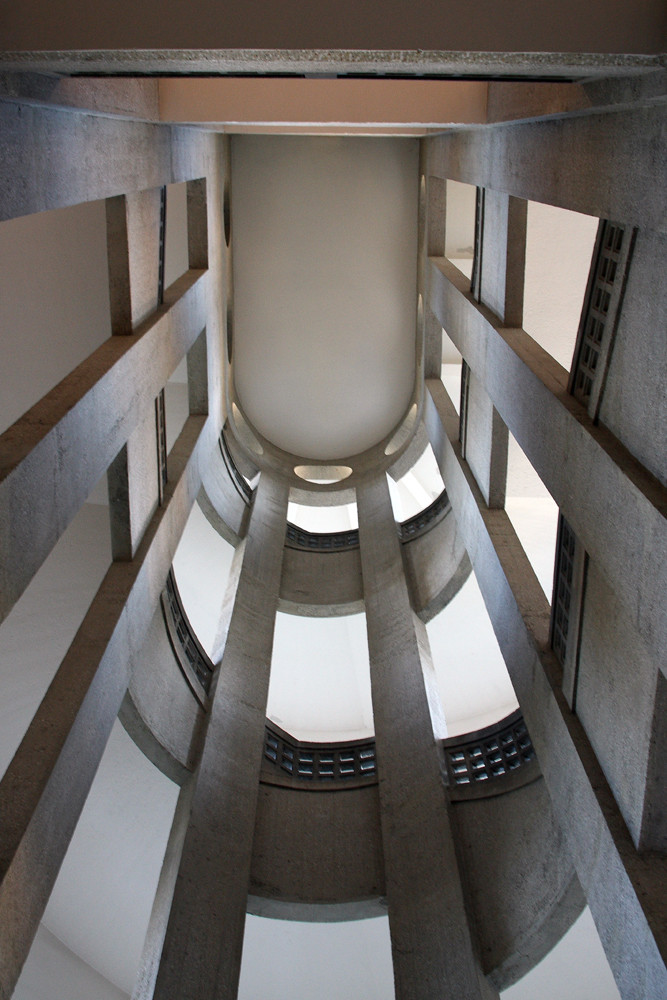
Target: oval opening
323, 474
403, 432
245, 434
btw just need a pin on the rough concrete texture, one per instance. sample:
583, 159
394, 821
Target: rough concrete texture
159, 710
318, 847
504, 256
616, 691
607, 864
520, 882
603, 165
143, 237
634, 402
431, 944
46, 784
128, 98
204, 939
616, 508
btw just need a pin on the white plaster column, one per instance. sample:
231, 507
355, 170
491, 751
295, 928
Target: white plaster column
432, 950
204, 940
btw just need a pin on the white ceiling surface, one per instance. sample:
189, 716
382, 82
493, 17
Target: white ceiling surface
324, 236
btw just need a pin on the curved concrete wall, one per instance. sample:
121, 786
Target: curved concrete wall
318, 856
160, 711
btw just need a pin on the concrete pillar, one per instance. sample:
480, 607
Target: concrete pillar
202, 950
157, 926
486, 439
504, 238
433, 953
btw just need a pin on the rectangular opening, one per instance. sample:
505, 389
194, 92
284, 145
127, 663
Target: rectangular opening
559, 245
451, 370
533, 513
54, 300
176, 233
460, 225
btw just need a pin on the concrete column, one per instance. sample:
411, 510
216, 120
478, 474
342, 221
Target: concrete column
157, 926
202, 950
504, 238
487, 439
433, 953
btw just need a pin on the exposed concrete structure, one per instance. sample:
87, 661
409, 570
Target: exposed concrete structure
593, 812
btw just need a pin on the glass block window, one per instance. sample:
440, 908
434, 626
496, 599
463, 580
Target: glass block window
563, 586
596, 317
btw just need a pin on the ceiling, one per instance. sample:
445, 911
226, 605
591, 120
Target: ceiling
324, 239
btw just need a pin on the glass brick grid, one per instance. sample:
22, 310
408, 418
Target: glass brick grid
563, 589
315, 762
201, 665
491, 756
416, 525
335, 541
332, 541
243, 488
597, 313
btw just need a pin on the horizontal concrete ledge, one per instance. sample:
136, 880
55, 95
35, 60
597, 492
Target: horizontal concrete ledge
53, 456
320, 913
616, 507
401, 62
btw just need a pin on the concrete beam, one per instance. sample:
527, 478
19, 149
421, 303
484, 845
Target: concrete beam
45, 786
615, 506
90, 157
609, 867
51, 458
603, 164
202, 950
432, 949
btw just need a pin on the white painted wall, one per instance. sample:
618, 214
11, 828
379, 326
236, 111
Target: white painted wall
324, 234
54, 300
53, 971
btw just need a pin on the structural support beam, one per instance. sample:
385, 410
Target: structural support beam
603, 165
204, 940
432, 950
45, 786
59, 449
580, 463
607, 863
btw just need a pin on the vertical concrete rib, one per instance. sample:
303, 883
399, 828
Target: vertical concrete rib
432, 949
204, 940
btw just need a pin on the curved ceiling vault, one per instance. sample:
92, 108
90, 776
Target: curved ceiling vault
325, 245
